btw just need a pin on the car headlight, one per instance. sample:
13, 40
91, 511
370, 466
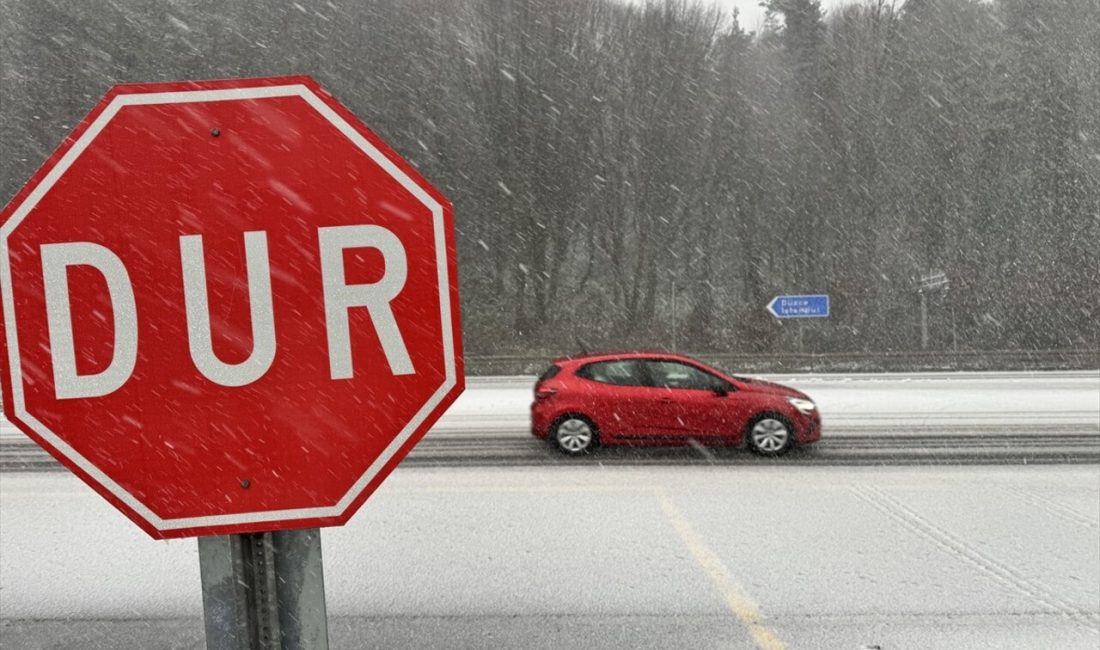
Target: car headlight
804, 406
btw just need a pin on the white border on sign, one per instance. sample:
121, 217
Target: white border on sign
181, 97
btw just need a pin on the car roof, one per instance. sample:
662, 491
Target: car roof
614, 356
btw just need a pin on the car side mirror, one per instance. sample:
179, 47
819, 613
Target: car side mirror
720, 391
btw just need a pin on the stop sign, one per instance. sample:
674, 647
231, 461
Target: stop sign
228, 306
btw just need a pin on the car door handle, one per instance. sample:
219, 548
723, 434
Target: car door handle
667, 400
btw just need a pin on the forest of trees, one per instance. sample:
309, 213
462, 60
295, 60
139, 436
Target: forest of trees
624, 173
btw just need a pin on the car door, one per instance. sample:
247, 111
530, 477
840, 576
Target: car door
690, 402
618, 398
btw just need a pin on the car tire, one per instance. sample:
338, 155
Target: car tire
769, 434
574, 435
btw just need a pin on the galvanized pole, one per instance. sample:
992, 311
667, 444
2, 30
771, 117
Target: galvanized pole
264, 591
954, 332
923, 320
673, 315
931, 282
300, 587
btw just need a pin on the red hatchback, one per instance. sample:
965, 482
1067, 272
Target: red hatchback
642, 398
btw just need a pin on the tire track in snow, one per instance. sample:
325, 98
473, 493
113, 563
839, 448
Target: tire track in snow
1055, 508
959, 549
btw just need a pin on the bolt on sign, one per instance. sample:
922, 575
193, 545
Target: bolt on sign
228, 306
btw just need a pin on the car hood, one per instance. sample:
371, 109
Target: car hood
771, 388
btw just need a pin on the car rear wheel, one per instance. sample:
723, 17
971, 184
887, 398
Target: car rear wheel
575, 435
770, 435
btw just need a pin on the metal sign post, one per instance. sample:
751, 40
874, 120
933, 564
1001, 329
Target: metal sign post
264, 591
936, 281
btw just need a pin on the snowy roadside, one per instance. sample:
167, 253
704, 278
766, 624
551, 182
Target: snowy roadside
878, 404
413, 548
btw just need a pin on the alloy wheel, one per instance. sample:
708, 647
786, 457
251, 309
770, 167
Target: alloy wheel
574, 435
770, 436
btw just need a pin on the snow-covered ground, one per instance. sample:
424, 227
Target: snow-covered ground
859, 404
828, 557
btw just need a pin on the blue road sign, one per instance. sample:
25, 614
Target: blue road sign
816, 306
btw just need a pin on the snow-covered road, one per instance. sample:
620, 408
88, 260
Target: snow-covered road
652, 552
856, 404
866, 404
868, 419
601, 557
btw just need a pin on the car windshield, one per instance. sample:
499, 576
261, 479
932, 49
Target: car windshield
411, 324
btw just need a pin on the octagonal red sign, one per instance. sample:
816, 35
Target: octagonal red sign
228, 306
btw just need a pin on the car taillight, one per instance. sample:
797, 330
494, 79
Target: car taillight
542, 392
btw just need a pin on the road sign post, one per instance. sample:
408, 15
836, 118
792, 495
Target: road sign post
799, 307
936, 281
231, 310
264, 591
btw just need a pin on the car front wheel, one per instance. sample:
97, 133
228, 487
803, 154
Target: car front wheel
575, 435
770, 435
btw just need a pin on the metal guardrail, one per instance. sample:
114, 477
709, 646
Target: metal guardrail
961, 360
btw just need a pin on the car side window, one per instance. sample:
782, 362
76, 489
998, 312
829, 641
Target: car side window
673, 374
550, 373
618, 373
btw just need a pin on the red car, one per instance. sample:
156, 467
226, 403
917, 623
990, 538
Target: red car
642, 398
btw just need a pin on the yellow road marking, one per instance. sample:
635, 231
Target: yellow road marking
736, 599
735, 596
